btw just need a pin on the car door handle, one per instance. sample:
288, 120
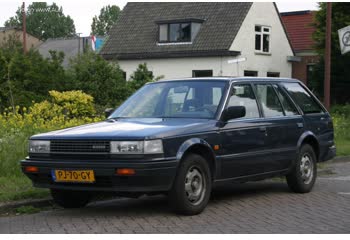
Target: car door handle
300, 125
262, 129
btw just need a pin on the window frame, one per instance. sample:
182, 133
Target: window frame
314, 98
260, 104
288, 98
261, 34
168, 32
227, 101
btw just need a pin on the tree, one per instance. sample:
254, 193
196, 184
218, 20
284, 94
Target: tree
340, 72
99, 78
28, 77
108, 16
44, 21
141, 76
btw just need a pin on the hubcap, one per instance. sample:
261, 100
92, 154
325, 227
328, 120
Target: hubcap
195, 186
306, 169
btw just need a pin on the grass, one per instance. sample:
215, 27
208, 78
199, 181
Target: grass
27, 210
343, 146
19, 188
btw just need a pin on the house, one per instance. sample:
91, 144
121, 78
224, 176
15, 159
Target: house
199, 39
299, 27
7, 32
69, 46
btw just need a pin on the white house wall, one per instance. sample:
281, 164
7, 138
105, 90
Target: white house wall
264, 13
182, 67
260, 13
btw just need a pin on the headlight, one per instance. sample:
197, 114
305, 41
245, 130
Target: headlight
137, 147
38, 146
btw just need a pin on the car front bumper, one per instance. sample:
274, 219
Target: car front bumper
150, 176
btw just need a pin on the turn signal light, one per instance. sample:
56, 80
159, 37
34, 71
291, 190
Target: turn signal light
31, 169
125, 171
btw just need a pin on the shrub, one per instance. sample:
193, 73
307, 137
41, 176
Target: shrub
99, 78
66, 109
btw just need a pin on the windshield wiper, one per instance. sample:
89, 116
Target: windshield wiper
114, 119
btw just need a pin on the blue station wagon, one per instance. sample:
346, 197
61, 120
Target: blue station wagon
183, 137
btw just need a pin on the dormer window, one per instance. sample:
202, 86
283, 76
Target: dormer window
178, 31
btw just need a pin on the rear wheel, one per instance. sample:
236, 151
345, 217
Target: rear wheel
192, 186
303, 175
70, 199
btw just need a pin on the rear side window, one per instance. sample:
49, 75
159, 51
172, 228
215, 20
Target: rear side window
243, 95
305, 101
269, 101
288, 106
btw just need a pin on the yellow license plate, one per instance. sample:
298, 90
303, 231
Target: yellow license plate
79, 176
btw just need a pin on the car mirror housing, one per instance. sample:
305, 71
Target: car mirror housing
233, 113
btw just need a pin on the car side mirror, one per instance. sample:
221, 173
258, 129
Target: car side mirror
233, 113
108, 112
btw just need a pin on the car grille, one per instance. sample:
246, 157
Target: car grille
64, 146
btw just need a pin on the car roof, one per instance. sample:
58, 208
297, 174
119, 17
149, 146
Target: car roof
233, 79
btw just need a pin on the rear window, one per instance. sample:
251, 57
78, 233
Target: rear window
306, 102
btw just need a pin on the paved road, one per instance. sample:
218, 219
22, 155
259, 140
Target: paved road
262, 207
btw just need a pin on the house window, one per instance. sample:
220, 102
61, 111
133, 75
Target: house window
178, 32
250, 73
124, 75
202, 73
273, 74
262, 39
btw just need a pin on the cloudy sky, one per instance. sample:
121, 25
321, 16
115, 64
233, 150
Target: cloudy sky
82, 11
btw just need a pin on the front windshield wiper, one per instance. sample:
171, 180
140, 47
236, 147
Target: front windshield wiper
114, 119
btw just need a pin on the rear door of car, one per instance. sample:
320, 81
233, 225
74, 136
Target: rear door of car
284, 125
316, 118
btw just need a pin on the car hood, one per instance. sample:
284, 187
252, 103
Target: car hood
129, 129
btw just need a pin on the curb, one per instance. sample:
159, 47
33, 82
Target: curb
4, 207
339, 159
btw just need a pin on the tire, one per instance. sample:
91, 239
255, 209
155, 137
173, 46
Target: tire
70, 199
302, 177
191, 189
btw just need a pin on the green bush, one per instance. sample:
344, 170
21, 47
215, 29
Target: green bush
99, 78
341, 122
65, 109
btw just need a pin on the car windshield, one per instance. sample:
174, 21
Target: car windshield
174, 99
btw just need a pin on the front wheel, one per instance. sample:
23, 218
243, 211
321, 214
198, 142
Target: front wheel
303, 175
70, 199
192, 186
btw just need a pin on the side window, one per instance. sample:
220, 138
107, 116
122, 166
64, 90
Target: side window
289, 108
269, 100
305, 101
243, 95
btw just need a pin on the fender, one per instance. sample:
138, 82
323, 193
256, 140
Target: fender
189, 143
305, 135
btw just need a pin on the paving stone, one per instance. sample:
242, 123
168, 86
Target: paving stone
259, 207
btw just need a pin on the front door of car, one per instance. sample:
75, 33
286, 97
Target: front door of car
243, 140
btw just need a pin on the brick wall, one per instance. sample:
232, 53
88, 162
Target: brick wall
299, 69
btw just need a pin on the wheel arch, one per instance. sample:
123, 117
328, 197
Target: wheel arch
311, 139
200, 147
